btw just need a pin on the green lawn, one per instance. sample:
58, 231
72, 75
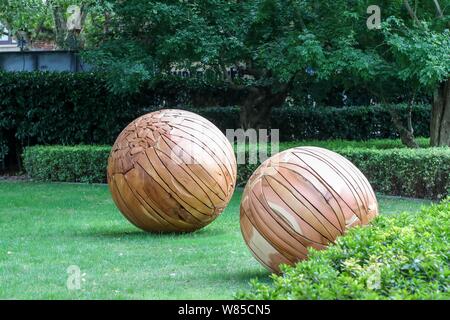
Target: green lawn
45, 228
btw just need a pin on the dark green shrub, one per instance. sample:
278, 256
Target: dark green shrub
67, 164
345, 144
421, 173
404, 256
352, 123
77, 108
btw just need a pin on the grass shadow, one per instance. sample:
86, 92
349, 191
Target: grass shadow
137, 233
261, 274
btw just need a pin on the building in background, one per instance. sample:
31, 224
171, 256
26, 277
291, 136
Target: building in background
41, 55
7, 43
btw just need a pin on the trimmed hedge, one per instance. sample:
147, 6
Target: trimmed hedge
345, 144
67, 164
401, 256
77, 108
60, 108
324, 123
420, 173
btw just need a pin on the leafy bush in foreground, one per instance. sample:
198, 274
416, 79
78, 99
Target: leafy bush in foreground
397, 257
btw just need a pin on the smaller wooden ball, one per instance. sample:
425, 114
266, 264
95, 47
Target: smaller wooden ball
300, 198
171, 171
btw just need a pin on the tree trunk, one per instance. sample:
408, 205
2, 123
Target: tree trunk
406, 133
440, 116
67, 35
256, 109
27, 38
72, 40
60, 25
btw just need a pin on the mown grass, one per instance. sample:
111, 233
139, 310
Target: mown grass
45, 228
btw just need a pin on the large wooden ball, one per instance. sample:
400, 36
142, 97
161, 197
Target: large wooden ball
300, 198
170, 171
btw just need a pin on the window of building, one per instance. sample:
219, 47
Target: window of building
4, 37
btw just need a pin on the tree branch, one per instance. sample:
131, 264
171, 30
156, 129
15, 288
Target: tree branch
60, 22
406, 134
411, 12
39, 27
84, 11
438, 9
229, 80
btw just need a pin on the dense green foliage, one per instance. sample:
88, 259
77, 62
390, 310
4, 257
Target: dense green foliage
77, 108
421, 173
322, 123
71, 164
53, 20
335, 144
73, 108
279, 48
397, 257
59, 108
274, 41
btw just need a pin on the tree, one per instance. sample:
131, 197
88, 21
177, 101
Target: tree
279, 46
421, 47
68, 21
62, 21
266, 42
26, 19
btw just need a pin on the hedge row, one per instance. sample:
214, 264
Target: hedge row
351, 123
77, 108
345, 144
418, 173
60, 108
401, 256
421, 173
67, 164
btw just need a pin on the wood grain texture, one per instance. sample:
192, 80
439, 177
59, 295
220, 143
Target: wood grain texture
300, 198
171, 171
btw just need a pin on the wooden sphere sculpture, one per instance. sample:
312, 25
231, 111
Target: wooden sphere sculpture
302, 197
171, 171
